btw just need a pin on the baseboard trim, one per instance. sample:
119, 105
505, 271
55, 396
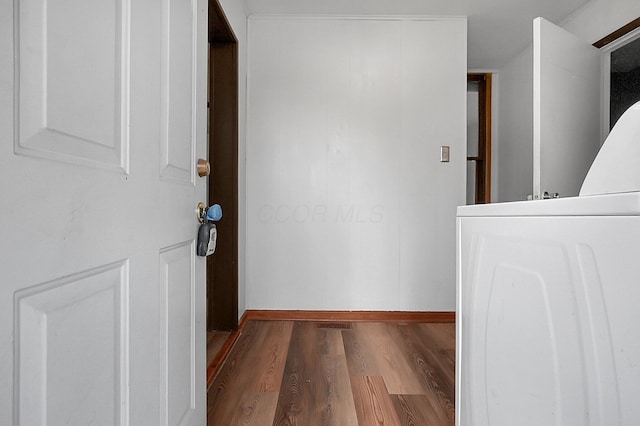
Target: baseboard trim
223, 353
396, 316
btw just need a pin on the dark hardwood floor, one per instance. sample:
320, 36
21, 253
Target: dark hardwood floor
309, 373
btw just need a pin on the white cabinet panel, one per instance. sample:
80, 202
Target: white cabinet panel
547, 324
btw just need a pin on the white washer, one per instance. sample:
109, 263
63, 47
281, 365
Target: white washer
548, 318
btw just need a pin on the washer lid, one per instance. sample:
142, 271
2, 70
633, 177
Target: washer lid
617, 166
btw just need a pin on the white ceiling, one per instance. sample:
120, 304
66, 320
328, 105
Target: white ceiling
498, 29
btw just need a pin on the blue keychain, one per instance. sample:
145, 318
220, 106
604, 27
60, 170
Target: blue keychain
208, 233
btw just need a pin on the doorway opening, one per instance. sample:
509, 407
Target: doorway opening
478, 138
222, 266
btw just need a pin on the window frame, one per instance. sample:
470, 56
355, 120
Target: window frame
611, 42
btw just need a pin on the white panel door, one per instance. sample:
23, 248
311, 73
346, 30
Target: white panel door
566, 109
102, 117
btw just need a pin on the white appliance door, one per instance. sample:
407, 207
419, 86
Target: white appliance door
102, 298
566, 109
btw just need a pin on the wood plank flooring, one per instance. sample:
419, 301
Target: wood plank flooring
215, 341
309, 373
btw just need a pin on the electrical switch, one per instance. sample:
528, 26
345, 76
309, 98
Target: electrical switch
444, 154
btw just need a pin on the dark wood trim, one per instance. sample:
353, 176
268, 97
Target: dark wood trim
483, 159
487, 119
222, 267
219, 26
618, 33
396, 316
223, 353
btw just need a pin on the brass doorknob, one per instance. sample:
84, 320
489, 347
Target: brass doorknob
203, 167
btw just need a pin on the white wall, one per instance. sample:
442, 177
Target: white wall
348, 206
514, 154
599, 18
592, 22
237, 18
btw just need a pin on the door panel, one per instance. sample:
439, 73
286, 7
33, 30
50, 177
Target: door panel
566, 113
177, 348
178, 55
102, 302
77, 114
67, 331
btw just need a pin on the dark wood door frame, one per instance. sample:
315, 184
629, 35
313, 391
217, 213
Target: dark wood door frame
222, 266
483, 159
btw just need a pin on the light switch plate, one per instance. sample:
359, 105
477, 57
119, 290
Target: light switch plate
444, 154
